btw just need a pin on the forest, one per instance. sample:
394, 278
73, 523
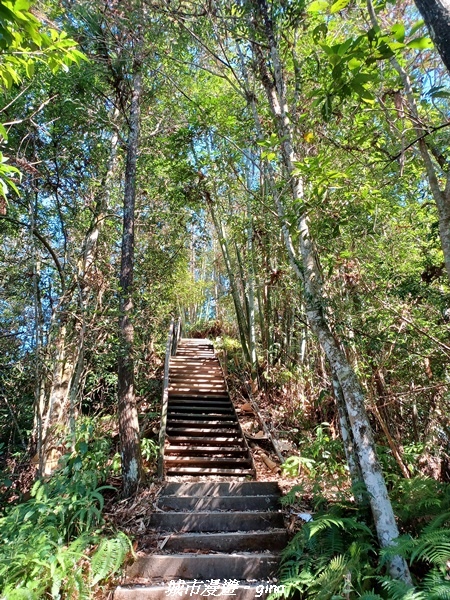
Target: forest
276, 173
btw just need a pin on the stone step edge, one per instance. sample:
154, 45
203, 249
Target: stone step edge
245, 591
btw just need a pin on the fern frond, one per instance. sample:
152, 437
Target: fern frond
433, 547
345, 523
437, 522
399, 590
435, 585
291, 496
109, 557
370, 596
331, 580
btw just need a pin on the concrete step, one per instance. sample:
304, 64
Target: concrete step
197, 396
235, 440
184, 404
211, 503
207, 462
244, 591
174, 415
215, 521
199, 471
227, 421
200, 397
204, 566
204, 431
221, 488
205, 450
231, 541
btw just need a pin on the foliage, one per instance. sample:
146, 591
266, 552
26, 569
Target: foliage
336, 555
328, 558
55, 544
149, 450
322, 455
48, 544
24, 42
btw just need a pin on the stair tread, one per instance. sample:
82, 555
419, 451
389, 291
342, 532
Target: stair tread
206, 440
207, 471
203, 449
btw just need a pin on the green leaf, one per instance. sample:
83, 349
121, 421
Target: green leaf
420, 43
398, 31
29, 69
338, 5
3, 132
22, 5
364, 77
317, 6
417, 25
354, 63
367, 97
395, 45
6, 14
440, 94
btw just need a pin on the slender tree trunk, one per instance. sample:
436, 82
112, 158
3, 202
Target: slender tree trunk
275, 87
251, 292
128, 417
346, 434
436, 14
427, 149
240, 317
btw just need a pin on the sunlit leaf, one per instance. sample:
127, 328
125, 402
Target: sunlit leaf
420, 43
398, 31
317, 6
338, 5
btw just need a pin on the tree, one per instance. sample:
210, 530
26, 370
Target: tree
128, 419
436, 14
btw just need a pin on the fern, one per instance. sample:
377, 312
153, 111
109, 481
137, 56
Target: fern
419, 499
291, 496
432, 547
330, 580
399, 590
109, 557
324, 561
434, 581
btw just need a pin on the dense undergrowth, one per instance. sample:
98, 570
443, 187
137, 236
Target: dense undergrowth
335, 556
57, 544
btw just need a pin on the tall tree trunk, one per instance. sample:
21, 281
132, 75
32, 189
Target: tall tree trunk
431, 155
346, 434
274, 84
128, 416
436, 14
251, 293
56, 411
240, 315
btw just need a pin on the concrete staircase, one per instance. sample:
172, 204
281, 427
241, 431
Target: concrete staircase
203, 435
221, 537
215, 537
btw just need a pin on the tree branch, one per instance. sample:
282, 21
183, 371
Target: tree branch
45, 243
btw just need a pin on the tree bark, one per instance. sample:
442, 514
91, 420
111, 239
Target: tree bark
274, 84
240, 315
128, 417
436, 14
427, 150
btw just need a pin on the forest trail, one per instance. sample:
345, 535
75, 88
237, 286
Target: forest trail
215, 537
204, 436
